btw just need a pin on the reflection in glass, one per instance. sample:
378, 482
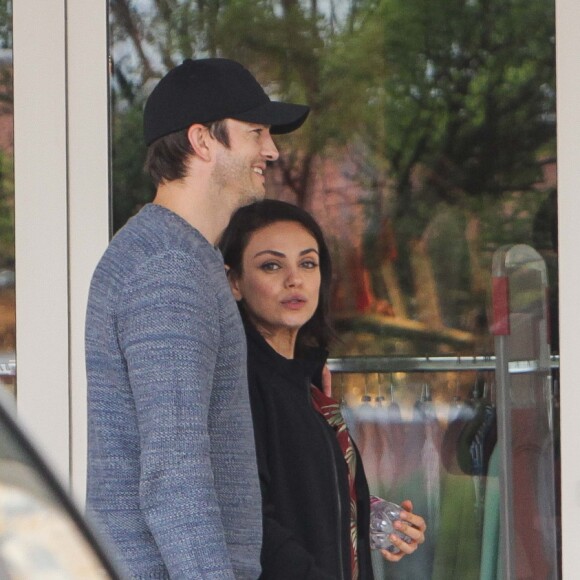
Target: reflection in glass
431, 142
7, 290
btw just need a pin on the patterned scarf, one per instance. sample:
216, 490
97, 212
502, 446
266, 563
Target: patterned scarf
330, 410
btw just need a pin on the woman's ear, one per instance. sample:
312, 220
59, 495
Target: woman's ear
234, 283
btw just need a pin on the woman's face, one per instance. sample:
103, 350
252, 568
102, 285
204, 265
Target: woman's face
280, 281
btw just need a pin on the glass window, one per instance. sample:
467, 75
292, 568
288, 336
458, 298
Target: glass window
430, 145
7, 289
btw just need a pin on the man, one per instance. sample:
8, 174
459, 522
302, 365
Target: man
172, 476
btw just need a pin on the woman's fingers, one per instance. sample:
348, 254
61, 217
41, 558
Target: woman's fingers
392, 557
412, 525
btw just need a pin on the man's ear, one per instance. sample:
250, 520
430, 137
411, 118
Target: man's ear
234, 283
200, 140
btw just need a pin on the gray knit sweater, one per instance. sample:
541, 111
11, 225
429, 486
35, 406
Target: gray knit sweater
172, 476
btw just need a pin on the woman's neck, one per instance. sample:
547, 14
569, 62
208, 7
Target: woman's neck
282, 340
283, 345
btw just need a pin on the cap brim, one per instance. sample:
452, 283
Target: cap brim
282, 117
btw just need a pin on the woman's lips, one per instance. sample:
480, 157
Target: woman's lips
294, 303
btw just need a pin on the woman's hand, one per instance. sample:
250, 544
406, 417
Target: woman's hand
413, 526
326, 381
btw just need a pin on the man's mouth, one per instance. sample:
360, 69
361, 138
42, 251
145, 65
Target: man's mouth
258, 170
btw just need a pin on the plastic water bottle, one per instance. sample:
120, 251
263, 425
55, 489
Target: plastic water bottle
383, 515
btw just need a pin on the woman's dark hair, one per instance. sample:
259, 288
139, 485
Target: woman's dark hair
251, 218
167, 157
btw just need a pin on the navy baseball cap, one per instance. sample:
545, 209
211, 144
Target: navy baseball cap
211, 89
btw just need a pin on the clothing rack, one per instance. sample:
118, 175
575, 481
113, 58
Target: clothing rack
382, 364
427, 364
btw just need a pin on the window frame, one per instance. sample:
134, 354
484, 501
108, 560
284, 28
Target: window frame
62, 175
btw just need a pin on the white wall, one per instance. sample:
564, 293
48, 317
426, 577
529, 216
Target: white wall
568, 87
41, 185
62, 177
88, 133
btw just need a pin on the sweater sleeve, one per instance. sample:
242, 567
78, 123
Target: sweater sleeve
168, 332
283, 557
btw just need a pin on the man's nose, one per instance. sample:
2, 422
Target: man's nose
269, 149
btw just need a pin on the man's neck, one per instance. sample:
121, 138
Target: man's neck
191, 205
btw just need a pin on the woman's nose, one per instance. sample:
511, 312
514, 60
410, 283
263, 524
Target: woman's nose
293, 279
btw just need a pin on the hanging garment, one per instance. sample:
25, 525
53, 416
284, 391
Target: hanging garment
460, 414
549, 524
431, 463
490, 568
365, 434
390, 429
458, 550
412, 483
481, 448
532, 561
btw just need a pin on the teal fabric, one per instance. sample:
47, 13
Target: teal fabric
490, 562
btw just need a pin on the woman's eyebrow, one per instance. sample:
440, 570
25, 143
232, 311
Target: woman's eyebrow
282, 254
273, 252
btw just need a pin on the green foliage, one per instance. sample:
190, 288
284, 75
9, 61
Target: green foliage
468, 93
131, 187
461, 90
6, 24
6, 210
444, 108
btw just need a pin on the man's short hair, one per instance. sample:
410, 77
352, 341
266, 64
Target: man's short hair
167, 157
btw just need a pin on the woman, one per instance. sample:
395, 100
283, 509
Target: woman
315, 496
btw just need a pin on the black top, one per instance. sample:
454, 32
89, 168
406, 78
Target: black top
303, 473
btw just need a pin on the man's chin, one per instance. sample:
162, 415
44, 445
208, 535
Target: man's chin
252, 197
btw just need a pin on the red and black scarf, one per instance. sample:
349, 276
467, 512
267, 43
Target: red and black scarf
330, 410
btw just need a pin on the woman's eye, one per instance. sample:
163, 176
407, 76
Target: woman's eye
270, 266
310, 264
